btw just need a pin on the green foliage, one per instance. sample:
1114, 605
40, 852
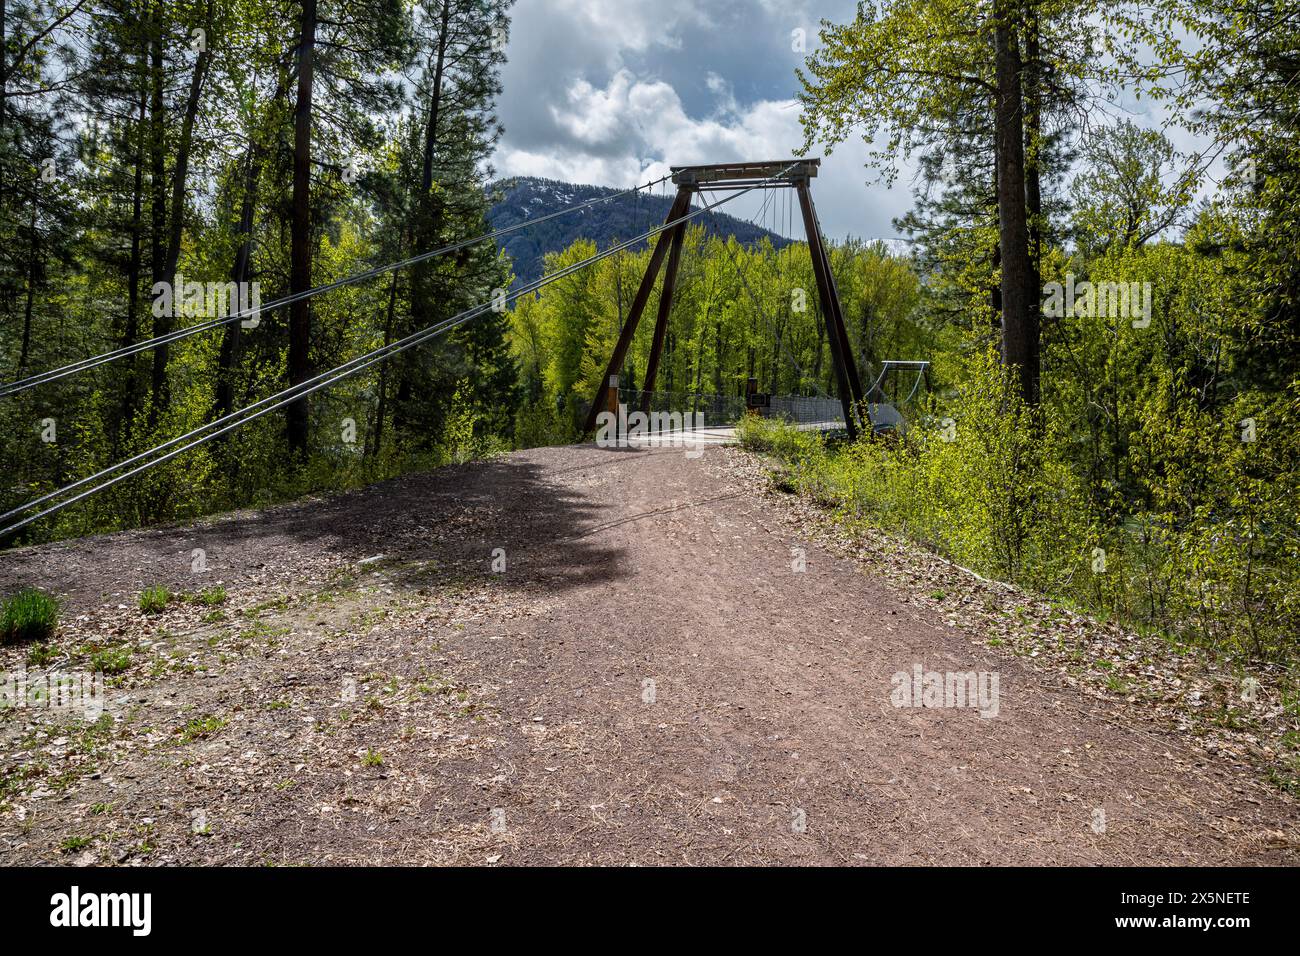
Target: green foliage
38, 655
111, 660
30, 615
1133, 188
74, 843
1156, 480
200, 728
83, 251
210, 597
154, 599
459, 441
722, 330
976, 486
1195, 538
540, 423
784, 441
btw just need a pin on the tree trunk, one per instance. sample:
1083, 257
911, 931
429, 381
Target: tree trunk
4, 93
425, 233
1033, 166
670, 355
224, 397
773, 377
717, 357
821, 349
24, 354
135, 264
431, 123
162, 324
183, 157
1019, 325
300, 234
176, 216
995, 290
699, 354
4, 64
382, 406
242, 268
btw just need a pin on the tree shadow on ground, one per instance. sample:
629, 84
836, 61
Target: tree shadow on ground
535, 510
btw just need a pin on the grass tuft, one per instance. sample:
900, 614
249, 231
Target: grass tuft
30, 615
154, 600
200, 728
211, 597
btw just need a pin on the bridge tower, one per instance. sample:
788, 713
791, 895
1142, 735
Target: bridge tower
780, 174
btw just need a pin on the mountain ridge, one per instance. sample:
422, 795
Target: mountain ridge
530, 197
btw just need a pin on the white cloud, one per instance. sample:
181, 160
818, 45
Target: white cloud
723, 92
646, 118
575, 167
624, 27
632, 129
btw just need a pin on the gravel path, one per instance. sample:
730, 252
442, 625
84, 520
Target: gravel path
650, 679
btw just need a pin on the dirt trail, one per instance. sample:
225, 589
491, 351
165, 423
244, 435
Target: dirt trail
649, 680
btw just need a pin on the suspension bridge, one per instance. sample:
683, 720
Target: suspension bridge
854, 409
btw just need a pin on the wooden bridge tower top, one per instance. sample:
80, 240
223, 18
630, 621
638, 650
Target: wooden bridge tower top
782, 172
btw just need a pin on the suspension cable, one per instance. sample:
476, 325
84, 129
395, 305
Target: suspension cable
233, 420
85, 364
803, 376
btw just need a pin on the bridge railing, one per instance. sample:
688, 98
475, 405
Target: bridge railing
720, 410
807, 411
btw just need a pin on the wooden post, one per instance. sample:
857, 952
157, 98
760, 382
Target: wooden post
829, 301
611, 395
661, 321
837, 310
679, 208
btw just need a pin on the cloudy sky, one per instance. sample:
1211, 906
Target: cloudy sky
612, 92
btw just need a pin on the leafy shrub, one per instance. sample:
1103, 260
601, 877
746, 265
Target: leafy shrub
30, 615
1197, 541
460, 444
154, 600
775, 437
38, 655
541, 423
200, 728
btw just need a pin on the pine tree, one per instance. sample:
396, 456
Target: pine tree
452, 131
